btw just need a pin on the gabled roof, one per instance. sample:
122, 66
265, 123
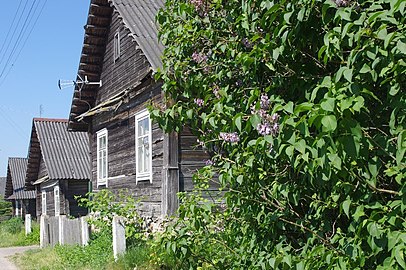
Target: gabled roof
138, 16
16, 170
2, 186
65, 154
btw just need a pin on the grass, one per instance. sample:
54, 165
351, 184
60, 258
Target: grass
44, 259
97, 255
12, 233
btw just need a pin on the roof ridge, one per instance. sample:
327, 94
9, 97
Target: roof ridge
37, 119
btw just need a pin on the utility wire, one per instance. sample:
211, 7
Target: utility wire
25, 42
14, 31
11, 26
18, 38
13, 124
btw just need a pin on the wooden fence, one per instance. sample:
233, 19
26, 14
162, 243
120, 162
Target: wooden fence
63, 231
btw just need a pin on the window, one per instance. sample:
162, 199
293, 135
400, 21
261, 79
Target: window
57, 201
102, 157
117, 49
44, 203
143, 146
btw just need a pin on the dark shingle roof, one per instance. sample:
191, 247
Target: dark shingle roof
65, 154
17, 168
2, 186
139, 17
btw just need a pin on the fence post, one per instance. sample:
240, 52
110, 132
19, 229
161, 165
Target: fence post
119, 245
84, 230
27, 224
42, 231
61, 231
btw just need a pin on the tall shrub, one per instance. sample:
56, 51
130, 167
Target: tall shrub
301, 105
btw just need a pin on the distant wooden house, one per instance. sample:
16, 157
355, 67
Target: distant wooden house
2, 186
23, 201
58, 167
128, 151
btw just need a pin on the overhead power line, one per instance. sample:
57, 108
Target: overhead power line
25, 32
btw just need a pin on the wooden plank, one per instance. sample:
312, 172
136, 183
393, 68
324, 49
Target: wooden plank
170, 181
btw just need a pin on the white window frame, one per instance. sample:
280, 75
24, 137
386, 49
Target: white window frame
116, 46
57, 201
102, 180
148, 175
44, 202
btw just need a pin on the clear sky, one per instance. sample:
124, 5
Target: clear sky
31, 62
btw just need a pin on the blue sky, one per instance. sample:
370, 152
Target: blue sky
52, 51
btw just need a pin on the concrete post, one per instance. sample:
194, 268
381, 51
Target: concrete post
119, 245
42, 231
27, 224
84, 230
61, 229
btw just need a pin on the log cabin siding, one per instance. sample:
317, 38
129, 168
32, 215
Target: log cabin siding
42, 172
126, 70
124, 73
75, 188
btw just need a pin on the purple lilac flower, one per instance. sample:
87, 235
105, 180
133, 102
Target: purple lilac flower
197, 3
216, 91
199, 102
246, 42
230, 137
275, 118
209, 162
275, 129
199, 57
264, 128
342, 3
264, 103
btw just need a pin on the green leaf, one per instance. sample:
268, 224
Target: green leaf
401, 46
289, 107
346, 207
255, 120
335, 160
388, 39
240, 179
329, 123
365, 69
359, 103
328, 104
237, 121
400, 257
348, 74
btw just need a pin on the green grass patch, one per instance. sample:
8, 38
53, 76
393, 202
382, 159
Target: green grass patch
12, 233
97, 255
44, 259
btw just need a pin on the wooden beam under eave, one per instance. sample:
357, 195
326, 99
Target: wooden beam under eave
92, 67
88, 73
100, 9
98, 20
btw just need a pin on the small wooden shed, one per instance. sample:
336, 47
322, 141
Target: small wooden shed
58, 167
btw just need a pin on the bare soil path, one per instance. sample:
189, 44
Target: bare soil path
5, 263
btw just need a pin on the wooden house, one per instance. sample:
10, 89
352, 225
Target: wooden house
2, 186
23, 201
120, 53
58, 167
